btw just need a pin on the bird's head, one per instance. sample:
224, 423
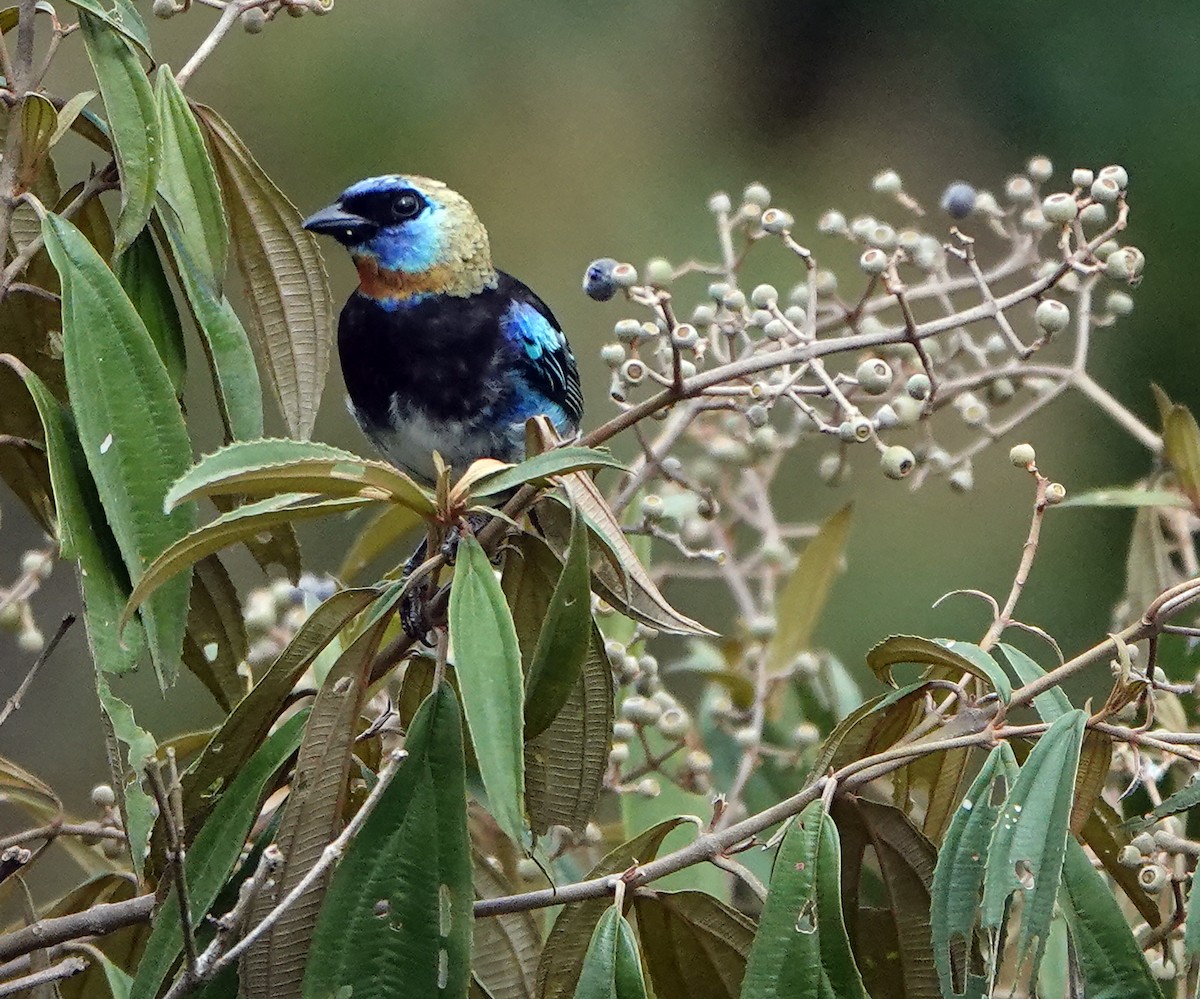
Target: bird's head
409, 237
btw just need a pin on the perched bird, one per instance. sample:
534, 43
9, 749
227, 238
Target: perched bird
439, 350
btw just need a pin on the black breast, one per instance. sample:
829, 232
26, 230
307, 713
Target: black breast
443, 355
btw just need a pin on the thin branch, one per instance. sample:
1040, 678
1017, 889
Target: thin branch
14, 702
66, 968
175, 859
94, 922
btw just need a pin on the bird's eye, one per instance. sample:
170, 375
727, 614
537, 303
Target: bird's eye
406, 206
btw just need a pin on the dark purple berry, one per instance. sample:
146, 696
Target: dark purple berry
598, 280
958, 201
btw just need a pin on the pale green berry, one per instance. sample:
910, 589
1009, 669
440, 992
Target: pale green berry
986, 204
1105, 189
995, 344
832, 470
764, 296
885, 418
776, 220
1118, 303
619, 754
962, 479
764, 441
625, 275
113, 849
36, 564
720, 204
648, 787
874, 261
1001, 390
805, 734
1032, 220
1153, 878
1051, 316
762, 626
624, 731
728, 451
874, 376
918, 386
832, 223
633, 372
774, 553
908, 240
1143, 842
684, 336
652, 507
699, 762
659, 272
1117, 174
860, 227
1093, 215
1040, 169
759, 318
612, 354
254, 20
1056, 492
31, 639
1106, 249
757, 194
640, 710
10, 615
897, 461
717, 290
1082, 177
1164, 969
674, 723
776, 329
1059, 208
103, 796
734, 300
1019, 188
746, 737
757, 415
887, 182
1130, 856
883, 236
704, 314
973, 411
826, 282
806, 665
908, 410
1125, 264
1022, 455
164, 8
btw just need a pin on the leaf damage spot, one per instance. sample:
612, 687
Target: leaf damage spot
445, 910
106, 444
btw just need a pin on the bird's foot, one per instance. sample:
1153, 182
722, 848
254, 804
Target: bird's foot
473, 523
414, 612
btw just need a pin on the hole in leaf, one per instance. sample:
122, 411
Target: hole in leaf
1024, 874
806, 919
443, 967
999, 792
445, 912
382, 909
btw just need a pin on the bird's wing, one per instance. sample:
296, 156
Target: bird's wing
543, 355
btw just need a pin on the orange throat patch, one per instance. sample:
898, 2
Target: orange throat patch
377, 283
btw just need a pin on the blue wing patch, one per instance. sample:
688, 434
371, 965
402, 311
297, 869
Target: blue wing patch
544, 358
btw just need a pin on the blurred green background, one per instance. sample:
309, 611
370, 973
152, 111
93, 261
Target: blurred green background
581, 130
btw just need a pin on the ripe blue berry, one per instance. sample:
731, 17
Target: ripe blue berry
598, 280
958, 200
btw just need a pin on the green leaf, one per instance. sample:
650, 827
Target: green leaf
39, 122
565, 764
141, 274
487, 662
958, 877
228, 529
1054, 702
563, 955
611, 969
802, 599
270, 467
399, 907
541, 467
137, 808
801, 950
252, 717
693, 944
1112, 964
906, 861
211, 856
226, 346
565, 636
215, 645
133, 118
1119, 496
119, 983
122, 15
1027, 845
1103, 833
1181, 444
944, 653
704, 659
505, 948
83, 533
290, 304
275, 964
188, 182
69, 113
1191, 926
1183, 800
130, 426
